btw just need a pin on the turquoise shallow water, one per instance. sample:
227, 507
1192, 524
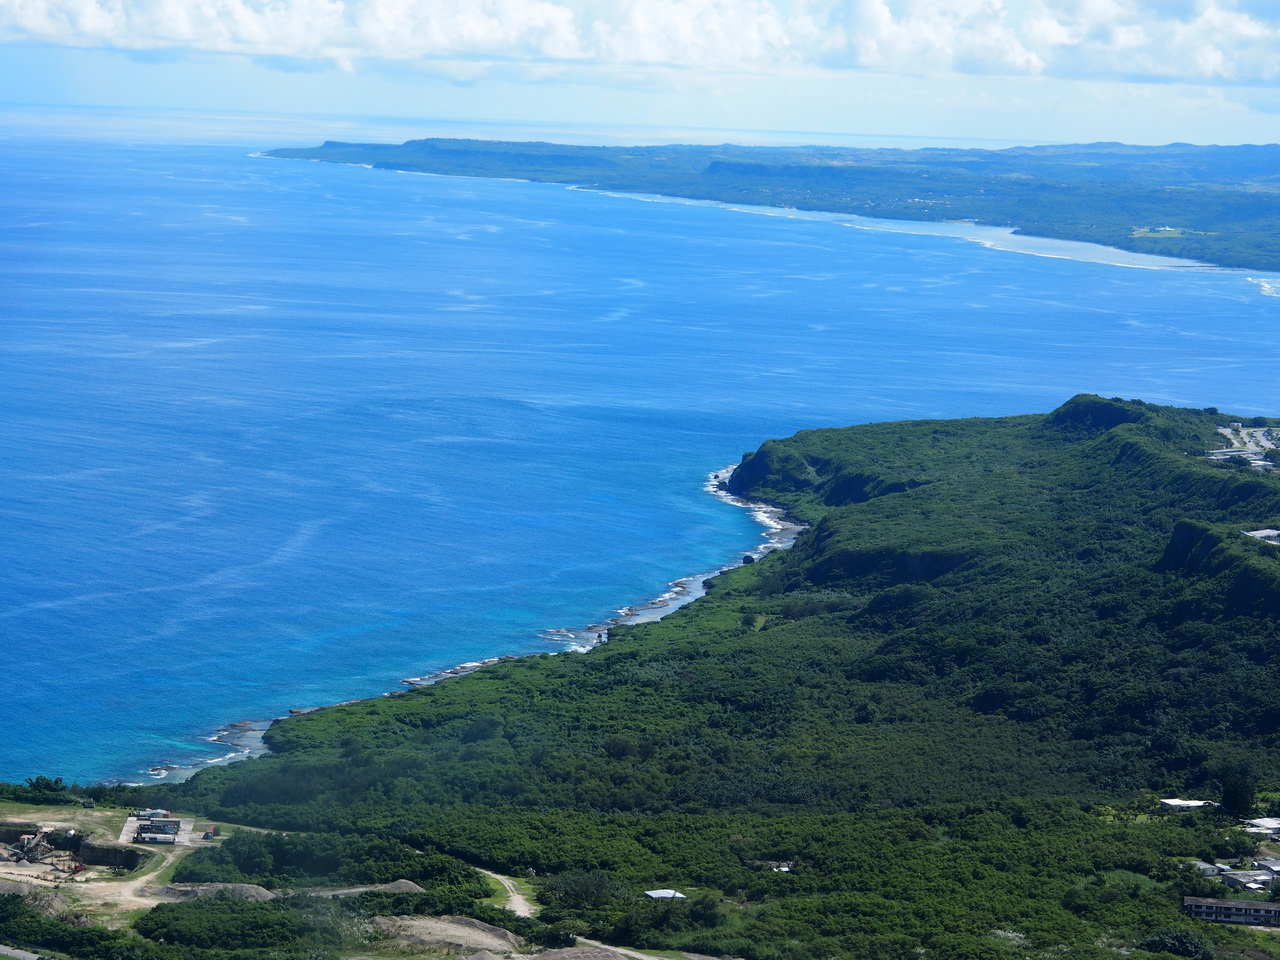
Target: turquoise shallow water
278, 434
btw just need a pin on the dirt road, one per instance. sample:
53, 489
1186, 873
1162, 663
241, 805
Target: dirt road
517, 902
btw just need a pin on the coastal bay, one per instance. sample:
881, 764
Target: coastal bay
600, 480
247, 737
237, 481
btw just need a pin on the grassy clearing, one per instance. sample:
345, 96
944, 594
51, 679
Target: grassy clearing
105, 822
499, 897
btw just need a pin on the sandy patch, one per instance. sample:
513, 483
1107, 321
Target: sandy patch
457, 933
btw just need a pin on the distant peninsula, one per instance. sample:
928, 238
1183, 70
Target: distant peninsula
1219, 205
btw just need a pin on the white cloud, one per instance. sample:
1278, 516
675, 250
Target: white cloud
972, 36
390, 29
1213, 41
410, 29
1207, 40
690, 32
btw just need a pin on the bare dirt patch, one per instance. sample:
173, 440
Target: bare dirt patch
456, 933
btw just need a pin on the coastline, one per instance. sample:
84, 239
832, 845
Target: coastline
246, 737
1007, 239
780, 533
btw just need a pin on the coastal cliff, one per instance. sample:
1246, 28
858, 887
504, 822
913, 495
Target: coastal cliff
959, 692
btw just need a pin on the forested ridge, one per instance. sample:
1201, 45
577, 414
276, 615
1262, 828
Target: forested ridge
946, 712
1216, 204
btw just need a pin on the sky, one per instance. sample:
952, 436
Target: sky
878, 72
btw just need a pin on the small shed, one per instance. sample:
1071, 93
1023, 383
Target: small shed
664, 895
1204, 868
1175, 804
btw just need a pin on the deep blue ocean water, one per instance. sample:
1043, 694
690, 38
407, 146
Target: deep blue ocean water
277, 434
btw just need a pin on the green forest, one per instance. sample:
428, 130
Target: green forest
1215, 204
935, 727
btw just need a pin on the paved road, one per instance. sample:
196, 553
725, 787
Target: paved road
20, 954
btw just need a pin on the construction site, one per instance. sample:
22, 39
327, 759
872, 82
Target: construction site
101, 860
43, 847
99, 848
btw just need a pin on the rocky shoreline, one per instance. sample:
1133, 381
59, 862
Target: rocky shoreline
246, 736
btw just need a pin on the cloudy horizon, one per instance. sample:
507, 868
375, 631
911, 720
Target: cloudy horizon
1014, 70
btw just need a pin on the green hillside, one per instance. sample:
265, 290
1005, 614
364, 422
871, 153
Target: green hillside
947, 711
981, 610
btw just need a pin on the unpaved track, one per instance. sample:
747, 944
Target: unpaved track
517, 902
120, 895
101, 893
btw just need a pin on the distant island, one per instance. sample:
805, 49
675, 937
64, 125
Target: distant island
1009, 695
1218, 205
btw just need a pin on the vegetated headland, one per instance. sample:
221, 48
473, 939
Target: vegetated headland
1214, 204
938, 726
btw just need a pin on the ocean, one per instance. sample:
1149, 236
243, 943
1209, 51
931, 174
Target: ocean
277, 434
